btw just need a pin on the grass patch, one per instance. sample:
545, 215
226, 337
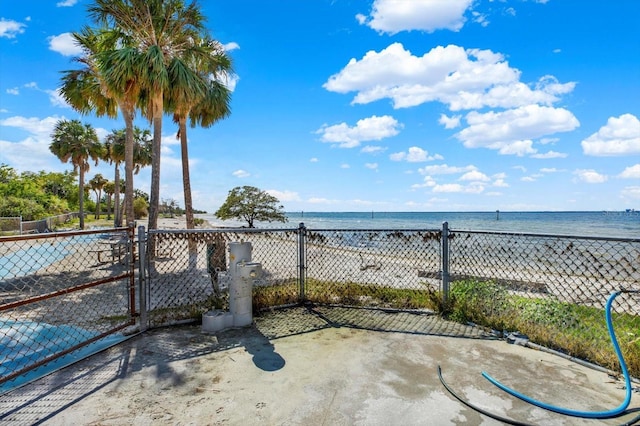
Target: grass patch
344, 293
578, 331
89, 221
187, 312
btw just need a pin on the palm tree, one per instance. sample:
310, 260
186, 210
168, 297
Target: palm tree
115, 144
159, 31
97, 183
204, 105
109, 189
88, 90
76, 143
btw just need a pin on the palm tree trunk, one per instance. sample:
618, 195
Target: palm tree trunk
154, 197
186, 183
128, 166
117, 211
186, 179
98, 203
81, 195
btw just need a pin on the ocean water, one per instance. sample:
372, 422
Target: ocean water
608, 224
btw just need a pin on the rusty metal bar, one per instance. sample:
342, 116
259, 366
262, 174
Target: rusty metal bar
62, 353
34, 299
64, 234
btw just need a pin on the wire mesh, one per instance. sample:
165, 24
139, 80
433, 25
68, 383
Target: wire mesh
382, 268
577, 270
185, 273
57, 294
551, 288
10, 225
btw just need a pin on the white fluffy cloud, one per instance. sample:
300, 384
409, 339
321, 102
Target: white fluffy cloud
9, 28
284, 196
41, 128
550, 154
373, 149
632, 172
414, 155
590, 176
392, 16
367, 129
32, 152
620, 136
241, 173
427, 182
460, 78
475, 176
631, 192
449, 122
464, 79
511, 131
444, 169
64, 44
474, 188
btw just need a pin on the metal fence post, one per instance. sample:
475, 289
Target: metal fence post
445, 262
141, 277
302, 267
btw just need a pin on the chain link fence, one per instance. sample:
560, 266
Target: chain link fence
15, 225
48, 224
61, 291
186, 272
381, 268
10, 225
551, 288
582, 271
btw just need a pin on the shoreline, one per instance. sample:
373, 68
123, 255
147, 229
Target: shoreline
178, 222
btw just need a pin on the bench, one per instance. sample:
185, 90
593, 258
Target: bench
117, 250
102, 252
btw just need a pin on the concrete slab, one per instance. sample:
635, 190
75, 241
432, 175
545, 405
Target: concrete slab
316, 366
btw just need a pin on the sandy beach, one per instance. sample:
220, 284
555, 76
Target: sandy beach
178, 222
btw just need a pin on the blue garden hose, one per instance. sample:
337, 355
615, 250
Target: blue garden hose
584, 414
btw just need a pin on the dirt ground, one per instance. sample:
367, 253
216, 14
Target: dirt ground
314, 366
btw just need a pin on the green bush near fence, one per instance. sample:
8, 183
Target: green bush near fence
576, 330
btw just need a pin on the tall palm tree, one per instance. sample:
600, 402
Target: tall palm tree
97, 184
76, 143
159, 32
190, 90
203, 98
88, 90
115, 144
109, 189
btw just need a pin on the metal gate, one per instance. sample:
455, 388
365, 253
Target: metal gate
60, 292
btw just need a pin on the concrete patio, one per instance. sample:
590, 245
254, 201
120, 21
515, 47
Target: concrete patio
314, 366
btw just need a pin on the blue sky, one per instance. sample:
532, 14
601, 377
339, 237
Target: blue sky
385, 105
